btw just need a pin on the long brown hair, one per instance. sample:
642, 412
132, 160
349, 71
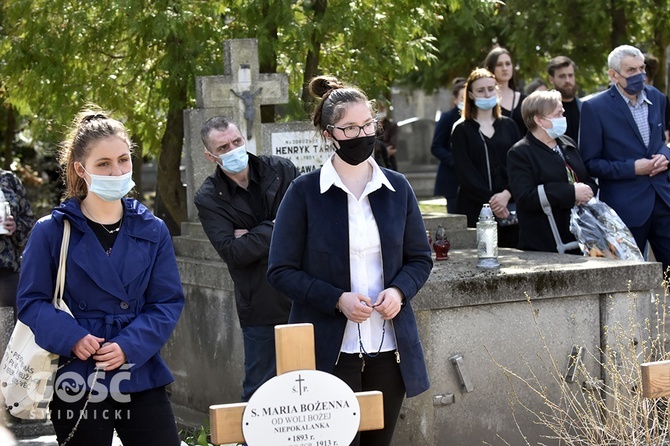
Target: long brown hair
492, 59
469, 108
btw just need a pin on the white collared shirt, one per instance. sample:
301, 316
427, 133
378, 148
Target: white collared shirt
365, 259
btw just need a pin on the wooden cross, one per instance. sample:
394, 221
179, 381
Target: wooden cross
294, 344
655, 379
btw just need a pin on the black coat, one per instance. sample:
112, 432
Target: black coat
221, 212
469, 153
531, 163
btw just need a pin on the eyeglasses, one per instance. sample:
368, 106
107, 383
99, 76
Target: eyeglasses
352, 131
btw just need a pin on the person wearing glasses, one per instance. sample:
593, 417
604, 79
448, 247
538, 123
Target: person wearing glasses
622, 140
350, 250
479, 144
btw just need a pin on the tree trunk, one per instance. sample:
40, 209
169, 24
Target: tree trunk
268, 61
312, 60
170, 190
137, 170
618, 13
661, 22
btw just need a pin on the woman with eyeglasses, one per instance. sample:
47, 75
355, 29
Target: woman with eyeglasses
349, 248
479, 144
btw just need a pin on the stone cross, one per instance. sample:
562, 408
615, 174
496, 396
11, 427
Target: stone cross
237, 94
294, 344
242, 88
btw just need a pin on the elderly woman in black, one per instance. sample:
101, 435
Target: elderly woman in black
546, 157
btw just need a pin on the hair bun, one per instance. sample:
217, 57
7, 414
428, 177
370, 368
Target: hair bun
88, 117
320, 86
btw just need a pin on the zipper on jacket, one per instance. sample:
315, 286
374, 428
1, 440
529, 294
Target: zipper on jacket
395, 338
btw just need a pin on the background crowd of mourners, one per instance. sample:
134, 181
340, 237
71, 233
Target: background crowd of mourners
500, 146
496, 146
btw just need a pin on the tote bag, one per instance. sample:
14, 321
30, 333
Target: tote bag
27, 371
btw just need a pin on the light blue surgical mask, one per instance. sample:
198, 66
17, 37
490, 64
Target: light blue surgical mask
460, 105
235, 161
109, 187
486, 103
559, 126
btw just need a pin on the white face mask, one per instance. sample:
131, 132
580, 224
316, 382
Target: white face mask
108, 187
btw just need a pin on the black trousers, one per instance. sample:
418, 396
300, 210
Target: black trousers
146, 420
380, 373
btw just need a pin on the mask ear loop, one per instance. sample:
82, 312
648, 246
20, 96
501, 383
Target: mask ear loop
330, 140
83, 177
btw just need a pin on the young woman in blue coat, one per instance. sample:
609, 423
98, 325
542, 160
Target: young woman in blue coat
122, 286
349, 248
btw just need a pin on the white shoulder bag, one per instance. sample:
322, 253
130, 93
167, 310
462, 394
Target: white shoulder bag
27, 370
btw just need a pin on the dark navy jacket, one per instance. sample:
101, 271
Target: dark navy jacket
610, 143
132, 297
446, 182
309, 262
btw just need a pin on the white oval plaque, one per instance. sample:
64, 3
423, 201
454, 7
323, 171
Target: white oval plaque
302, 408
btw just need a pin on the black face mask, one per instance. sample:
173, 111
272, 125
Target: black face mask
355, 151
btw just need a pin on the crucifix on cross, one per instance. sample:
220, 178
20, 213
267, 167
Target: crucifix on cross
294, 345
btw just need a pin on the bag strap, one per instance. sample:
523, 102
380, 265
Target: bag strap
60, 276
546, 208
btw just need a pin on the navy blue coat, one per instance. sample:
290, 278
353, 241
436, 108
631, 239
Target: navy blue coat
132, 297
610, 143
309, 262
446, 182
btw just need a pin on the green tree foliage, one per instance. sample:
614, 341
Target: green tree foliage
135, 58
139, 58
535, 31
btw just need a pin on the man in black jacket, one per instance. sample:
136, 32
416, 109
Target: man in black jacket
237, 206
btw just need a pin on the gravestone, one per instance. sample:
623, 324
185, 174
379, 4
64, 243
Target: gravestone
237, 94
297, 141
414, 158
282, 423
